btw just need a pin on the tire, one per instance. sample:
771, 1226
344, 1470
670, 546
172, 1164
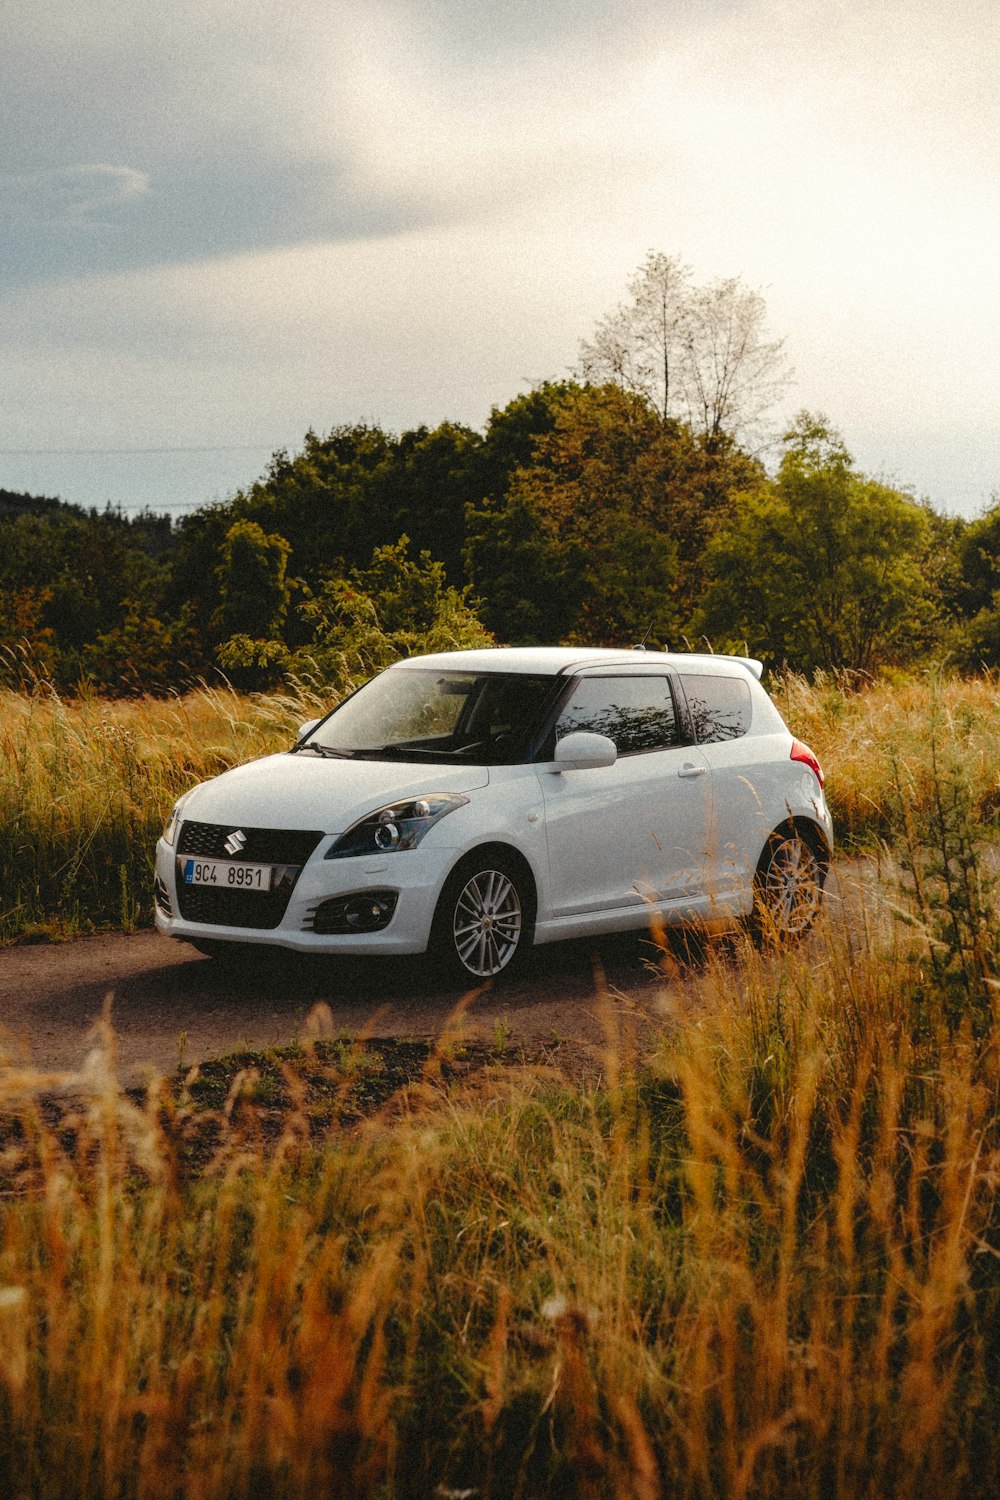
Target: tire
788, 888
484, 921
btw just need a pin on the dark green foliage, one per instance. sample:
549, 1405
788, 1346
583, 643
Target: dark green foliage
533, 589
83, 594
143, 653
13, 505
823, 568
252, 581
254, 591
979, 561
601, 532
579, 514
431, 478
514, 430
135, 605
395, 607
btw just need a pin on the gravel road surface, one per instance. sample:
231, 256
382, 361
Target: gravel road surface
170, 1005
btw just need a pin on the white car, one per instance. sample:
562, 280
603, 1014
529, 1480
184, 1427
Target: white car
478, 802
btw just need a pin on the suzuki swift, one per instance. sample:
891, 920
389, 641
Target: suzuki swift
475, 803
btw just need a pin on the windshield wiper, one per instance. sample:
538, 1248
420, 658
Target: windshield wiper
326, 750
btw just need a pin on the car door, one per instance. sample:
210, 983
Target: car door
746, 807
636, 833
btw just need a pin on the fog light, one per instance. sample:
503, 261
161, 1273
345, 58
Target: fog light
365, 911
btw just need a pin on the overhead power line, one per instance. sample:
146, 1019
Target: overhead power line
108, 452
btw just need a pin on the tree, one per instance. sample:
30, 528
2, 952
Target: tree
641, 345
598, 486
601, 532
432, 474
581, 547
143, 654
529, 593
701, 354
513, 431
979, 560
733, 373
69, 577
254, 591
822, 567
395, 607
27, 653
253, 585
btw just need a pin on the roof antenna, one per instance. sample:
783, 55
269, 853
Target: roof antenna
642, 644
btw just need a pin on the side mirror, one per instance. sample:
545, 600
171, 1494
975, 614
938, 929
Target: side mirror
583, 751
306, 728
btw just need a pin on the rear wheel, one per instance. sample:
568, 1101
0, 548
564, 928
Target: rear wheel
483, 926
788, 888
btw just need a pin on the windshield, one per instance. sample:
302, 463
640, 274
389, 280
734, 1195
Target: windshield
479, 718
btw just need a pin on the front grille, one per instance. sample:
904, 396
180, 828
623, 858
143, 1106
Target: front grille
202, 903
264, 846
287, 849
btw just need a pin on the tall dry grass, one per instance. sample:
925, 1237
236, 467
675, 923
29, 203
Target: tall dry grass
878, 739
762, 1262
85, 784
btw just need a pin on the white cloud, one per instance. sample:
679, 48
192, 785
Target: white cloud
439, 323
85, 196
845, 159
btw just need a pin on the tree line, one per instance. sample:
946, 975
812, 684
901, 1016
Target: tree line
626, 502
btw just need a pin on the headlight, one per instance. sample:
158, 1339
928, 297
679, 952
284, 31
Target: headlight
400, 826
174, 821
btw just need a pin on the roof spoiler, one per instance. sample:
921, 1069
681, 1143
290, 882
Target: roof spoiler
753, 665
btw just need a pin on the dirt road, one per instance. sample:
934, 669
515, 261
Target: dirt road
170, 1005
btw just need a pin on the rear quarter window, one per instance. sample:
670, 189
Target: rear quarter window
721, 707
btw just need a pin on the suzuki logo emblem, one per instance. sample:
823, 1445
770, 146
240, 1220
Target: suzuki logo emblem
235, 843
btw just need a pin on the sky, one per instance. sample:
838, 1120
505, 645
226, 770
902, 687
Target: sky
224, 222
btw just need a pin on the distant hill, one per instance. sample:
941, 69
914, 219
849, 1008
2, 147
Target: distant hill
150, 531
13, 505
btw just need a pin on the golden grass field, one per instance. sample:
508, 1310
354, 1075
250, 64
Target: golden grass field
86, 783
760, 1260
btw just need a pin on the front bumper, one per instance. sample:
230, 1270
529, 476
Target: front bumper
415, 877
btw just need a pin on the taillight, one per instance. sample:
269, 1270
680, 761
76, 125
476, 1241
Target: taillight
804, 754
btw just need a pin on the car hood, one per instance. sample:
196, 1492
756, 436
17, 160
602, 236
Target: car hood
306, 791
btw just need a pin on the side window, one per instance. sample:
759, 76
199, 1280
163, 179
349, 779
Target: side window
721, 707
636, 712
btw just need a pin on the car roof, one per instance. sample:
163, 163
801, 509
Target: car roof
557, 661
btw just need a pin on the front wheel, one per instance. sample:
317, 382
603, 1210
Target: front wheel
788, 888
483, 926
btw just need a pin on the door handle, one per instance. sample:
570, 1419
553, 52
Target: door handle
689, 769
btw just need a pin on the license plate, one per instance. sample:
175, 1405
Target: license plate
235, 875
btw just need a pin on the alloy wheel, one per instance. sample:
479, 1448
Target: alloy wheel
791, 889
487, 923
